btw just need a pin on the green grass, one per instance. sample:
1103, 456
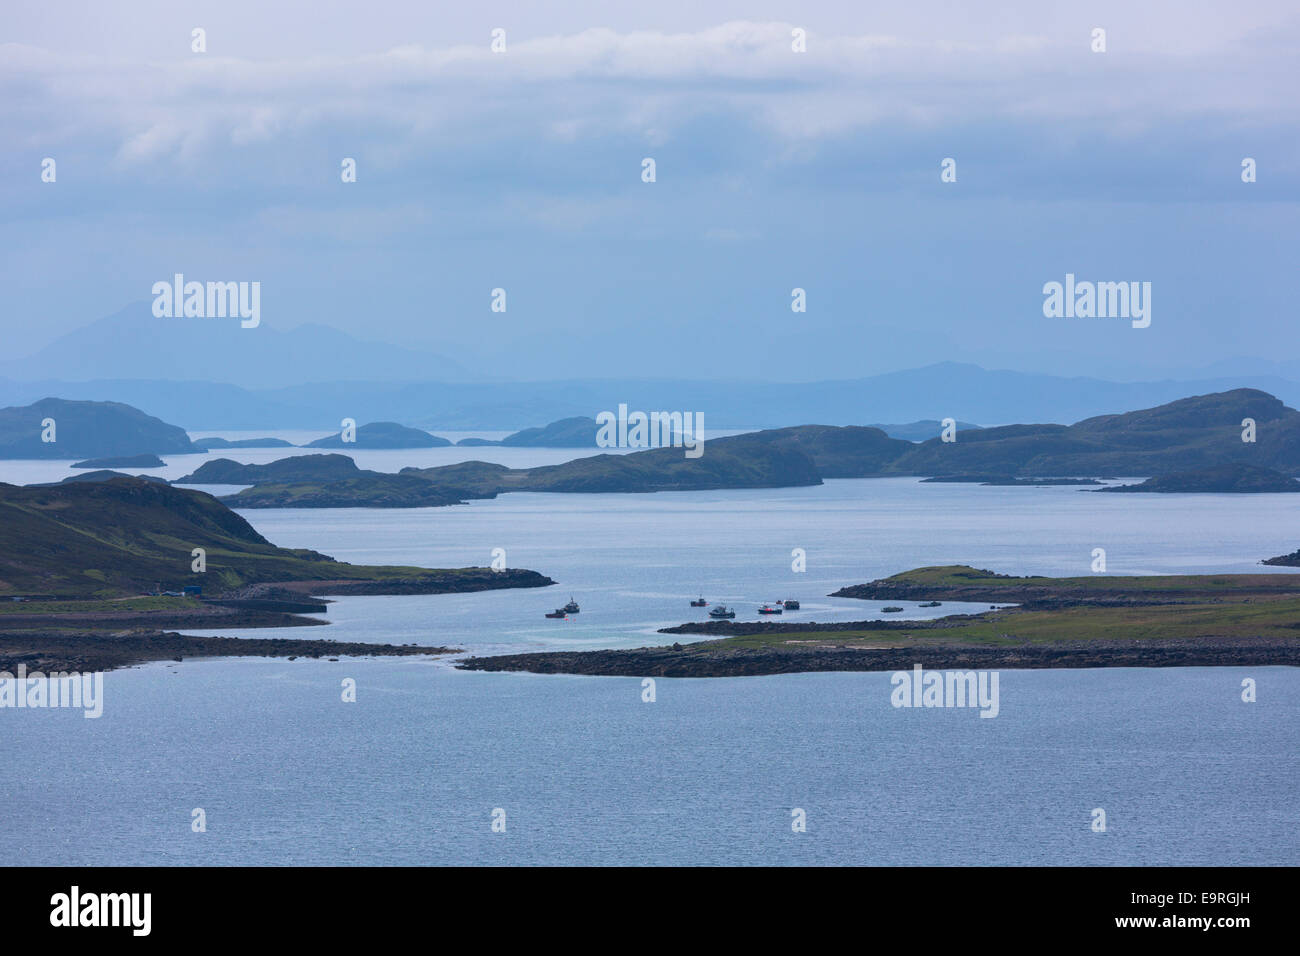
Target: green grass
1261, 617
960, 575
108, 605
122, 538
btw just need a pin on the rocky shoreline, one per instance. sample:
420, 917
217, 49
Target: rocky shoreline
712, 660
263, 605
747, 628
85, 652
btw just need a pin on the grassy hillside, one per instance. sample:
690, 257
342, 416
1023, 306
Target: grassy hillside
368, 490
121, 537
959, 582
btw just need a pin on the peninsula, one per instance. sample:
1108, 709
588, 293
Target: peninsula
129, 557
1098, 621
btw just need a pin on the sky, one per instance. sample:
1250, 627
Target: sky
775, 170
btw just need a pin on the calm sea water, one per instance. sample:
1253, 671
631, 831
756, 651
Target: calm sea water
586, 772
708, 773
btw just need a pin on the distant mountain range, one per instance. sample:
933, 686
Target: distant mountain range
212, 374
134, 344
964, 392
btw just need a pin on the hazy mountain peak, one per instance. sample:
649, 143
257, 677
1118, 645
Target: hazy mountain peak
133, 343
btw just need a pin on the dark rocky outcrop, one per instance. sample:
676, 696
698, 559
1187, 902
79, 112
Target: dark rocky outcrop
91, 651
1291, 560
992, 480
711, 660
1233, 478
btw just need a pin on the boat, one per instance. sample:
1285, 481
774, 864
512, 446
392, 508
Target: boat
791, 605
700, 603
768, 609
558, 612
930, 604
890, 610
721, 611
572, 606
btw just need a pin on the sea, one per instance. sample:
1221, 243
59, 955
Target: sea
260, 761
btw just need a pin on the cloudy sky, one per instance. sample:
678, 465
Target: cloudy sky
775, 169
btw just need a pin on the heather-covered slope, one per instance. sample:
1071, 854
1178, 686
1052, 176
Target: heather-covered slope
126, 535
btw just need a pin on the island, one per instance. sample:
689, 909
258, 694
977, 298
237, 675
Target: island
1185, 436
207, 444
326, 481
382, 435
991, 480
1291, 560
103, 474
1095, 621
314, 468
577, 432
122, 461
58, 428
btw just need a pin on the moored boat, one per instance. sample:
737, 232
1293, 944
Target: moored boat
558, 612
571, 607
722, 611
769, 609
700, 603
791, 605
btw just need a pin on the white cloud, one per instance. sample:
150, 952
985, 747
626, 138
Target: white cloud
589, 82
